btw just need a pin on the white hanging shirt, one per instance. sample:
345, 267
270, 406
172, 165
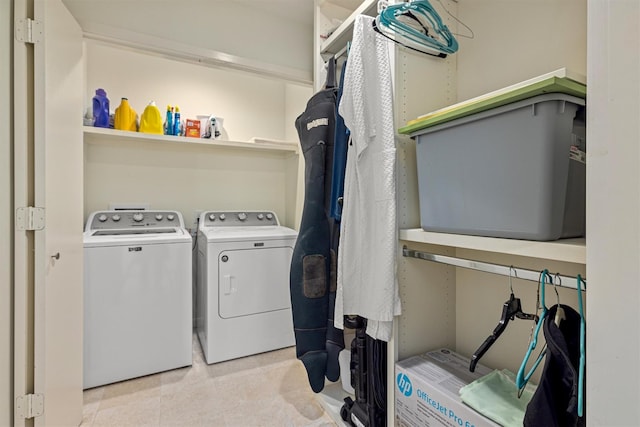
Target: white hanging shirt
367, 253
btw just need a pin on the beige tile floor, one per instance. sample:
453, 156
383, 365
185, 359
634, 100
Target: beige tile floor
268, 389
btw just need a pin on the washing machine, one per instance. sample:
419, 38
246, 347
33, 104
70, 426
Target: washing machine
243, 305
137, 295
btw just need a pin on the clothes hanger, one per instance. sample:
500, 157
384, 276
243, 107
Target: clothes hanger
521, 378
510, 310
560, 316
418, 21
582, 347
416, 25
407, 44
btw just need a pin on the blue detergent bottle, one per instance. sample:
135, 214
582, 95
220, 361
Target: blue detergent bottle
168, 124
176, 122
101, 109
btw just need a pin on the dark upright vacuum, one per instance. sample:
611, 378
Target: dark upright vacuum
368, 378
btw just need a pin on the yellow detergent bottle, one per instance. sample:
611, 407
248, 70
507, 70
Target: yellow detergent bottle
151, 120
125, 117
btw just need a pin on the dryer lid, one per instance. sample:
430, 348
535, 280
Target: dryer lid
241, 234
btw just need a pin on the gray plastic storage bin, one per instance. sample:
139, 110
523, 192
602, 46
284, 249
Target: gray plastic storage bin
516, 171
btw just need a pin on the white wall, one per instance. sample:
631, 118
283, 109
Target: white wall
186, 179
519, 39
297, 97
6, 204
193, 178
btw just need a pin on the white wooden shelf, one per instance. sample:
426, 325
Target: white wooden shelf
566, 250
94, 135
344, 32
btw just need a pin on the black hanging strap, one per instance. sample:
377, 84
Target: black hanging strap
331, 74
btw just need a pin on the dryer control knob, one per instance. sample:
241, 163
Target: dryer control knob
159, 217
222, 217
116, 218
102, 218
171, 217
242, 216
212, 217
137, 217
260, 216
269, 216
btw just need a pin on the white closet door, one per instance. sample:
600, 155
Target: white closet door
58, 162
613, 213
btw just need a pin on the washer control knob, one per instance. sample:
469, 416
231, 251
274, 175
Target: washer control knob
116, 218
260, 216
171, 217
212, 217
159, 217
222, 217
242, 216
102, 218
269, 216
137, 217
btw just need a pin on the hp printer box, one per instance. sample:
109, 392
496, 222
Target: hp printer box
426, 391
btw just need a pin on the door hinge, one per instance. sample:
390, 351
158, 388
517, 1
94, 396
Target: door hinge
28, 30
30, 406
30, 218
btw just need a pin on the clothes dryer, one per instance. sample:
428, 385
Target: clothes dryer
137, 295
243, 304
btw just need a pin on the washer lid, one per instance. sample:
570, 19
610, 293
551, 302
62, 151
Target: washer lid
238, 234
144, 231
126, 237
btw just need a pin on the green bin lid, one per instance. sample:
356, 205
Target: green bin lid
476, 105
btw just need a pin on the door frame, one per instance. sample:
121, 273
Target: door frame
23, 243
41, 363
6, 215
